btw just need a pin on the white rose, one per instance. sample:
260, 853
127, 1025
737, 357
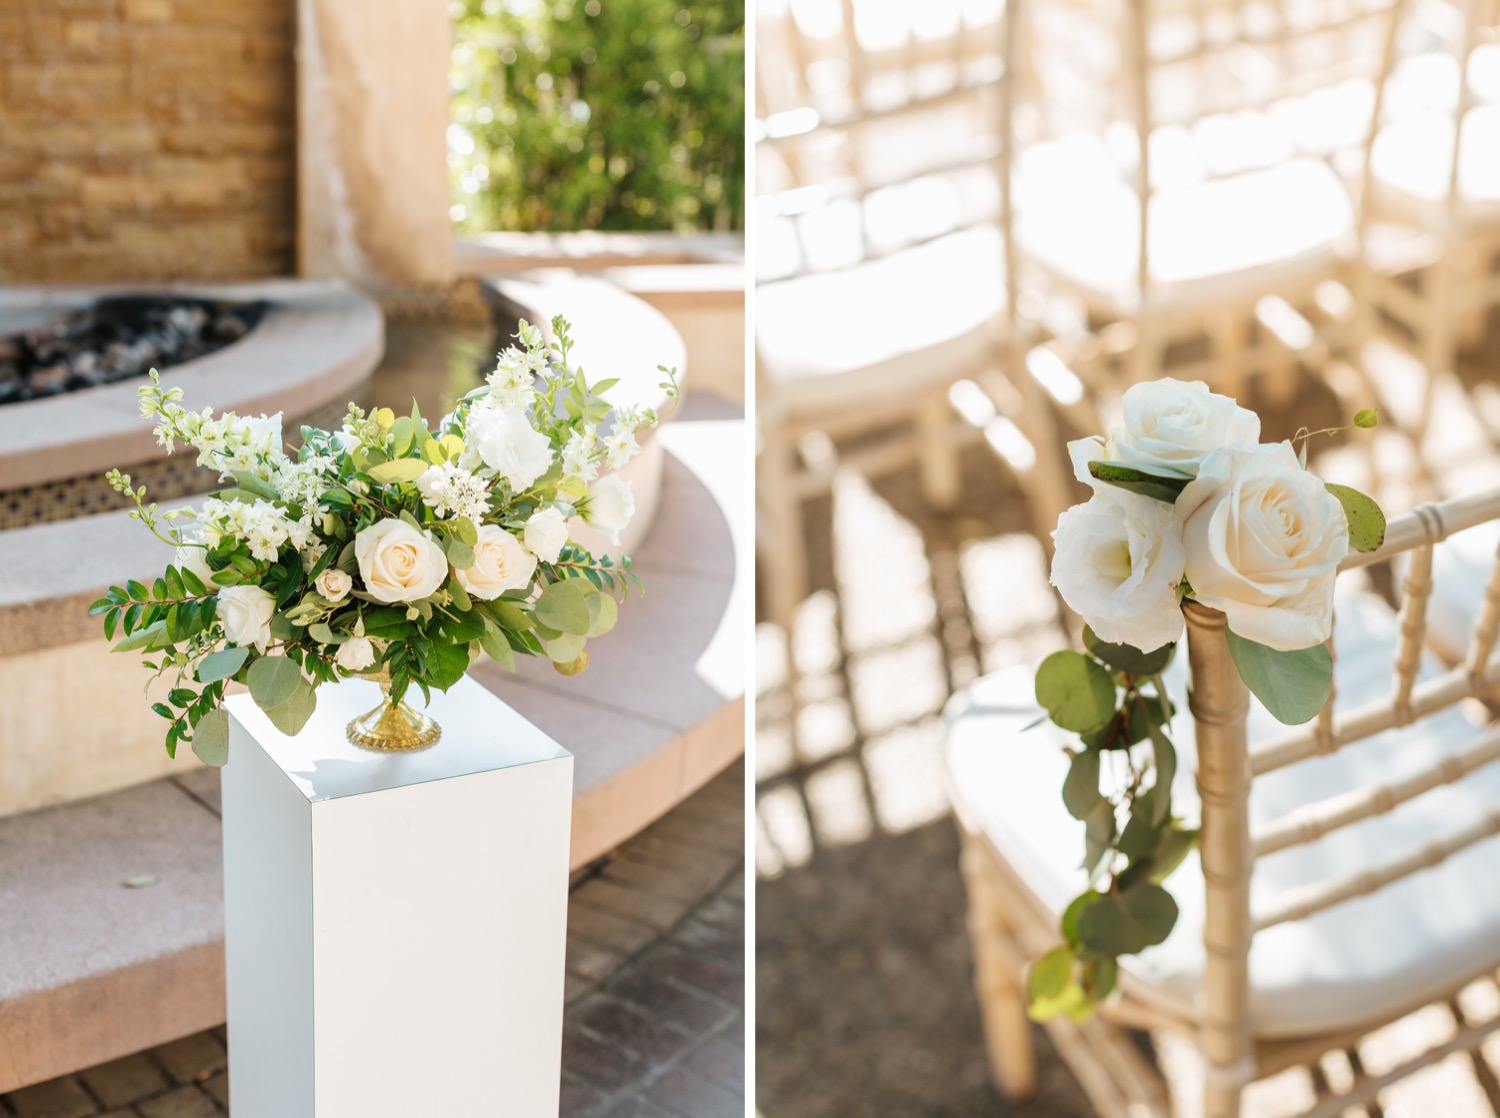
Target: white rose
194, 557
246, 612
609, 506
398, 563
1117, 563
500, 564
355, 654
1170, 427
333, 584
508, 444
545, 533
1263, 540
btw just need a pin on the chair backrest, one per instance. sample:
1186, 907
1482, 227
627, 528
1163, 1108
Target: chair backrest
877, 127
1191, 91
1227, 765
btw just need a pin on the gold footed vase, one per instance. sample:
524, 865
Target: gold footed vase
392, 727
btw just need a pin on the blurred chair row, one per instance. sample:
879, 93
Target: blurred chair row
1021, 210
1051, 200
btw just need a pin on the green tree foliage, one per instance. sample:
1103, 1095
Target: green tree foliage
598, 114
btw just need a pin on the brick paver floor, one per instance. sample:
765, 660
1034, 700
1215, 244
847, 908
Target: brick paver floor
655, 1021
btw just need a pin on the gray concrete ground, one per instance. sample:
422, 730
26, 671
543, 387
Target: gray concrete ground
865, 1003
654, 1026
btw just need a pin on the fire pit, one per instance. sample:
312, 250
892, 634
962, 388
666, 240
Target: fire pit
300, 347
116, 339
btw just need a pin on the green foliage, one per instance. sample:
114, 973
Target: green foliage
599, 114
1293, 686
1366, 521
1165, 489
1113, 698
1076, 691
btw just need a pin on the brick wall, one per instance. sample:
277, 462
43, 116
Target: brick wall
146, 139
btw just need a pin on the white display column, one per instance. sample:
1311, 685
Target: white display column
395, 923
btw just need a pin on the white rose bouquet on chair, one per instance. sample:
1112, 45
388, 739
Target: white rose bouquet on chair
385, 547
1188, 504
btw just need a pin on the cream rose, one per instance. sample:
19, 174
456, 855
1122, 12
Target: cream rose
355, 654
1263, 540
1170, 427
399, 563
1117, 562
500, 564
246, 612
334, 584
545, 533
508, 444
609, 506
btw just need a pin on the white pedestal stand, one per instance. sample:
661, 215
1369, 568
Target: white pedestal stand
395, 923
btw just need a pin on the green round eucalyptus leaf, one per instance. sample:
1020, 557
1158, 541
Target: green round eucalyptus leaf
1128, 921
1366, 521
1293, 686
1076, 691
272, 680
1128, 658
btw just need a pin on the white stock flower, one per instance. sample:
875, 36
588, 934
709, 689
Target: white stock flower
545, 533
1169, 427
511, 381
451, 490
1117, 562
1263, 541
334, 584
579, 455
620, 447
500, 564
609, 506
355, 654
399, 563
246, 612
508, 444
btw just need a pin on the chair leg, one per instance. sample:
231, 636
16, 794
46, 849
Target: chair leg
785, 560
938, 451
1002, 996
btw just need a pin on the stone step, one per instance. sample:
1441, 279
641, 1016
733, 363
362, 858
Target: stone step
92, 970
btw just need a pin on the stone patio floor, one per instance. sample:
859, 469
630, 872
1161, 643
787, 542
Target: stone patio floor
865, 1002
654, 1026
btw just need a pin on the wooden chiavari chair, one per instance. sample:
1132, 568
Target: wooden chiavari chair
1346, 875
881, 249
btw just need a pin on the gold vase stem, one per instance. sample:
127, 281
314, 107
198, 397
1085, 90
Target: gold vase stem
393, 727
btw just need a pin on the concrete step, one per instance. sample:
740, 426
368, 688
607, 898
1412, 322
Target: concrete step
92, 970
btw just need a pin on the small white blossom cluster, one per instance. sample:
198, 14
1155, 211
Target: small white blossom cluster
511, 383
302, 483
451, 490
227, 442
580, 457
262, 525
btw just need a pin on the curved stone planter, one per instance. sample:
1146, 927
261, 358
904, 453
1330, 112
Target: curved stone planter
318, 342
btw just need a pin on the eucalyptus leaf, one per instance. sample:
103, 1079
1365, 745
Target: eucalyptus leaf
565, 648
498, 648
1128, 921
604, 611
272, 680
1293, 686
211, 737
222, 664
1076, 691
1165, 489
1080, 791
1366, 521
1073, 911
1098, 836
1164, 757
398, 470
289, 717
1127, 658
562, 606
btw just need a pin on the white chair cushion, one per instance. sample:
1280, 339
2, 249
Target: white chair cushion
885, 329
1410, 163
1349, 964
1219, 240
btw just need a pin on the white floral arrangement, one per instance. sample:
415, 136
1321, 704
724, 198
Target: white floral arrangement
385, 546
1188, 504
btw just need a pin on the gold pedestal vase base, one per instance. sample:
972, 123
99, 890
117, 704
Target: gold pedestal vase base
393, 727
